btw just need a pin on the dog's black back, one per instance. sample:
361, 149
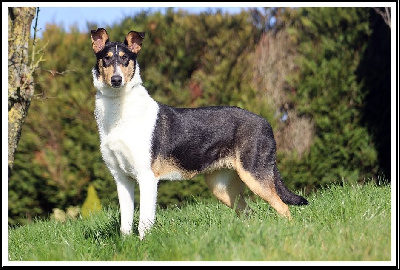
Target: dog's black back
197, 138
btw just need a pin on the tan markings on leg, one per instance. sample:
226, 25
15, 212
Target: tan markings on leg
228, 188
169, 169
222, 163
265, 189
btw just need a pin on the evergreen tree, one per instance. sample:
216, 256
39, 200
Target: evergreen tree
92, 203
331, 43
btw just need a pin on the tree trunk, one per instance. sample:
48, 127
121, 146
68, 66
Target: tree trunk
20, 81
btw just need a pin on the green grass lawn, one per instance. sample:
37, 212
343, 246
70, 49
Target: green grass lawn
342, 223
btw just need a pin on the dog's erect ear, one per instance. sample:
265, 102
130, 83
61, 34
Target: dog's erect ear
99, 39
134, 41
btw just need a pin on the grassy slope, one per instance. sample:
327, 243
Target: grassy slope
350, 223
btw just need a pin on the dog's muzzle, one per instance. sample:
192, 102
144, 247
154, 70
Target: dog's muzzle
116, 81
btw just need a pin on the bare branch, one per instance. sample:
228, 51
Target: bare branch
55, 72
385, 15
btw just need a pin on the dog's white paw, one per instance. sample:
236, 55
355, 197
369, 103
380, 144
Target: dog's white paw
126, 231
143, 232
141, 235
144, 228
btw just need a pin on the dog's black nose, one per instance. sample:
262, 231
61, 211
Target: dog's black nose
116, 80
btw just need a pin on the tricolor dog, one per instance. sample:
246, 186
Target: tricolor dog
144, 140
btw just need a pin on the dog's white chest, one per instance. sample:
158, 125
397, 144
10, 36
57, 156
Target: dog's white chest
126, 126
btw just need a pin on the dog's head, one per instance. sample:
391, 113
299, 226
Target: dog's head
116, 61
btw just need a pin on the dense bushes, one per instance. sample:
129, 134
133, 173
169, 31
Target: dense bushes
206, 59
331, 43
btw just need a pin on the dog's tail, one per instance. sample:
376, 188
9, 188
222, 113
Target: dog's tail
285, 194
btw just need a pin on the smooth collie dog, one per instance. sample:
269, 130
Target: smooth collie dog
146, 141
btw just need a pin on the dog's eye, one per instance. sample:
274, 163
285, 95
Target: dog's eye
124, 57
107, 58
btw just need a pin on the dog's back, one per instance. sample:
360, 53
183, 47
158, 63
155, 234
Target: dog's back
209, 138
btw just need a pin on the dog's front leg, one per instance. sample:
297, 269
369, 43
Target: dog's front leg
148, 199
125, 189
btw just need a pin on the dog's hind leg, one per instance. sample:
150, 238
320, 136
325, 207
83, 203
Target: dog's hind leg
228, 188
265, 188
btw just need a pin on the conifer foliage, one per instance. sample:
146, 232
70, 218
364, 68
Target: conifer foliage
92, 203
331, 43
